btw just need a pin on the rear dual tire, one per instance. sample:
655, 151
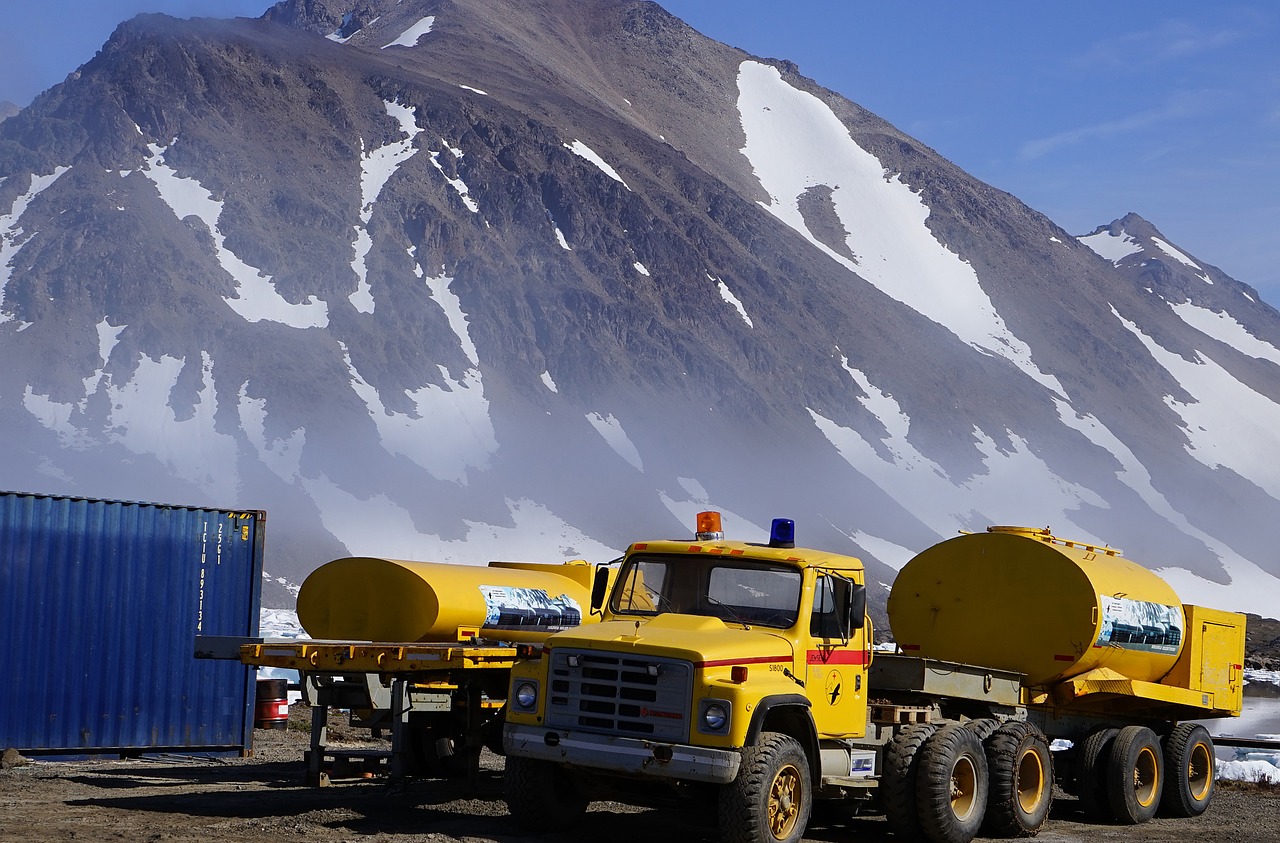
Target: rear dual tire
1190, 770
1135, 775
1122, 773
952, 785
945, 784
1021, 769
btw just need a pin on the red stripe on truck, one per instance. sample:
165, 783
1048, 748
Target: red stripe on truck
756, 660
835, 655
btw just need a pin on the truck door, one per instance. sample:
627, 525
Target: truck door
836, 661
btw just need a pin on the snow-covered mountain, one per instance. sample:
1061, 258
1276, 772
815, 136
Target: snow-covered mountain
475, 279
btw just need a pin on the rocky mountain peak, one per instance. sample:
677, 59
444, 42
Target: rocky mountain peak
474, 279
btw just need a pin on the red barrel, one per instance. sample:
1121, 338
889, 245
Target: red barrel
272, 708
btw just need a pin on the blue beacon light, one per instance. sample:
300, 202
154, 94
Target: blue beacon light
782, 533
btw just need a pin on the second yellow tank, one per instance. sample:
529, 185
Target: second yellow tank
1024, 600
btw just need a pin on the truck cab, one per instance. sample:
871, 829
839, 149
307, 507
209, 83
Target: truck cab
717, 664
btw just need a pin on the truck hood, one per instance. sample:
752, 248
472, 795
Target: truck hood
698, 639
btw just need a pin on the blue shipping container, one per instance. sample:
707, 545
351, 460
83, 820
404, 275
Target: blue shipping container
100, 603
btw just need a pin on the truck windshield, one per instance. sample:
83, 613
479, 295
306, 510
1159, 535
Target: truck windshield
734, 590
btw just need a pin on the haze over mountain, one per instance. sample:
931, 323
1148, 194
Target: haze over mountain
474, 279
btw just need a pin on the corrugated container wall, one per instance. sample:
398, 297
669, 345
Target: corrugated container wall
100, 602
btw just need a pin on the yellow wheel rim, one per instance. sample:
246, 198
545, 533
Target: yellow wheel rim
786, 795
1146, 777
964, 787
1031, 783
1200, 772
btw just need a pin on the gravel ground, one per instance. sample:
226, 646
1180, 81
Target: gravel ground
263, 798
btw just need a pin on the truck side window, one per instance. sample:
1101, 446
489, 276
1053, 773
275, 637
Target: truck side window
825, 620
641, 590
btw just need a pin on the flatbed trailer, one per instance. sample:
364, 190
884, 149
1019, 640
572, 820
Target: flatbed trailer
439, 702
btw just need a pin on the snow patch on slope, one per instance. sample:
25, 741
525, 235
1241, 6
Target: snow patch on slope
193, 449
11, 239
141, 420
795, 142
583, 151
1251, 589
458, 185
1227, 424
373, 526
411, 36
453, 431
732, 300
452, 307
1175, 254
282, 456
450, 431
108, 338
56, 417
1181, 258
1225, 329
256, 299
1017, 486
376, 169
610, 429
1112, 247
889, 553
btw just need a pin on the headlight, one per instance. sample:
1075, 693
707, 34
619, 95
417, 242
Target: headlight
714, 717
526, 696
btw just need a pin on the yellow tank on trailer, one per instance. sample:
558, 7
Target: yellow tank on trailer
364, 598
1023, 600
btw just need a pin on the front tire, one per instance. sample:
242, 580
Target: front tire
1135, 775
1021, 781
951, 788
771, 799
1190, 769
541, 796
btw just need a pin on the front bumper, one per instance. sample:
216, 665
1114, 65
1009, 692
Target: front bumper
622, 755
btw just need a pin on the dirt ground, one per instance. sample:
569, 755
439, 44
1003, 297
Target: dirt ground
263, 799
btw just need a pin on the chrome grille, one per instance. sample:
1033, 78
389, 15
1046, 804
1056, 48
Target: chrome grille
620, 694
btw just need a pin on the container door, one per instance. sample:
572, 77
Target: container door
1220, 670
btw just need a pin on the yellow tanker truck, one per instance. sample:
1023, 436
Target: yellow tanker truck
743, 675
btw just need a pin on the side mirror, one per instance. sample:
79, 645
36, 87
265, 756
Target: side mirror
599, 589
857, 616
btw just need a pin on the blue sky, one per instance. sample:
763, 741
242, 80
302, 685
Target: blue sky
1085, 111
